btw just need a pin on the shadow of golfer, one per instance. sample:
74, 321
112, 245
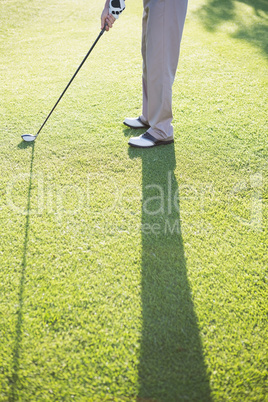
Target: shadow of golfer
171, 366
14, 380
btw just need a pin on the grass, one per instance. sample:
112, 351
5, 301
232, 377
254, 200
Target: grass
129, 275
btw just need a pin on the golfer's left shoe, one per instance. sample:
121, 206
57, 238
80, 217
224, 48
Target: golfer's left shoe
147, 141
135, 123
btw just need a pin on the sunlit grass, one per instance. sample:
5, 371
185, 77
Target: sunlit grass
132, 274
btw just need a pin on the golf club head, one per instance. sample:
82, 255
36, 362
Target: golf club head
28, 137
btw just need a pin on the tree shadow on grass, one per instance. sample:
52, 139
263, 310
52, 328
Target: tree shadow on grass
171, 366
216, 12
14, 380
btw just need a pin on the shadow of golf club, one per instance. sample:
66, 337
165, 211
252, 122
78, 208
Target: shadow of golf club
171, 366
14, 380
25, 145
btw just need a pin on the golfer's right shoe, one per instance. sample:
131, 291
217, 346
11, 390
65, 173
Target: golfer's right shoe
135, 123
146, 140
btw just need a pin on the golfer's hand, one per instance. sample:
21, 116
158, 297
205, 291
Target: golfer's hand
107, 18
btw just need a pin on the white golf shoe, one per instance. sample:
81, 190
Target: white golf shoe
135, 123
148, 141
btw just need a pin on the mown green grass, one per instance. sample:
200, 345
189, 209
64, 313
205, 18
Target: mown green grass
132, 274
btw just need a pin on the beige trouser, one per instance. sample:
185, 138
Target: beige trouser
163, 22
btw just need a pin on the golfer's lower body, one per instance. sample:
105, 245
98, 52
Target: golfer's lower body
163, 22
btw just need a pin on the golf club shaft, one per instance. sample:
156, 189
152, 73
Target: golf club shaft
88, 53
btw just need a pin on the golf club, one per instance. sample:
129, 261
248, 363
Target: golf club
29, 137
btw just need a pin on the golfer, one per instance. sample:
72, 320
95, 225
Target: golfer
162, 27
